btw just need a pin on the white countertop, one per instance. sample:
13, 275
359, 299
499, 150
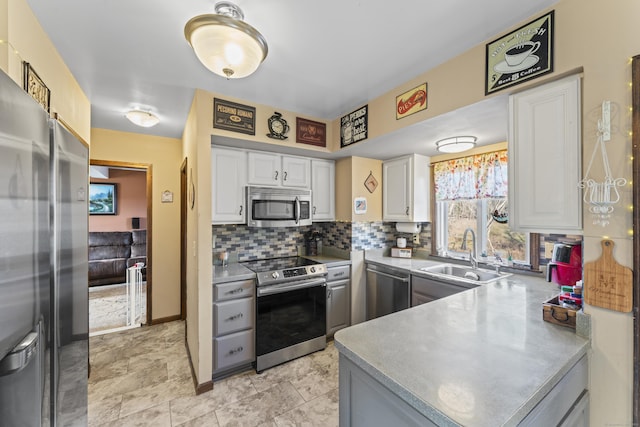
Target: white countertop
483, 357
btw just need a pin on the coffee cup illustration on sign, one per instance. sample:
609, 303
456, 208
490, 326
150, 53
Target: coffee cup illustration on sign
519, 57
518, 53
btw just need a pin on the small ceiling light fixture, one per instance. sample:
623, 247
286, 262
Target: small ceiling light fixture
224, 43
456, 144
142, 118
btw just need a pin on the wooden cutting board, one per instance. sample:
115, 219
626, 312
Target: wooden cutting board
608, 284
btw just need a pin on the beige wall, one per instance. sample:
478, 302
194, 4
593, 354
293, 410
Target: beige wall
343, 189
24, 40
163, 155
196, 148
263, 112
351, 173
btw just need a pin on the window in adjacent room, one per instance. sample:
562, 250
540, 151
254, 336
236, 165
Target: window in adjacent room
471, 192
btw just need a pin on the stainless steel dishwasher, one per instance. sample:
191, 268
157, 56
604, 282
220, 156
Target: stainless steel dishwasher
388, 291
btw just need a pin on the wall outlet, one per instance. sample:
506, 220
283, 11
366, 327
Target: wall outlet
416, 239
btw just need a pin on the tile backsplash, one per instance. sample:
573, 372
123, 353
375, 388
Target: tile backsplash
244, 243
256, 243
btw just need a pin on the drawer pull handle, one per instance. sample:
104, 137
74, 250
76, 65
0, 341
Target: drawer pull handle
235, 291
236, 350
339, 274
237, 316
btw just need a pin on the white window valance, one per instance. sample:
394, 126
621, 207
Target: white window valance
479, 176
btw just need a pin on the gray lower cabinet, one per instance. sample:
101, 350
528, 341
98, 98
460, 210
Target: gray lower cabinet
425, 290
567, 404
338, 298
364, 401
233, 326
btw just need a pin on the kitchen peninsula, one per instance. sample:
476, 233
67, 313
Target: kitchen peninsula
483, 357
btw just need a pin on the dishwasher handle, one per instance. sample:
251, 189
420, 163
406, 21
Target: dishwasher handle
391, 276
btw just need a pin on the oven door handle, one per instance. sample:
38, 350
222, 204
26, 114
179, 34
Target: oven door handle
291, 286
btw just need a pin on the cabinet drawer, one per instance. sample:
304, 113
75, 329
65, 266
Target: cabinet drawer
338, 273
233, 349
232, 316
232, 290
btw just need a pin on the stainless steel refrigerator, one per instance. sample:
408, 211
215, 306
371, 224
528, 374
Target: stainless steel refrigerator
44, 321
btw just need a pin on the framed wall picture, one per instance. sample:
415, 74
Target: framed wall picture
102, 199
234, 117
521, 55
360, 205
310, 132
354, 126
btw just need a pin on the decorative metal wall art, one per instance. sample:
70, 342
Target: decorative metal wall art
34, 86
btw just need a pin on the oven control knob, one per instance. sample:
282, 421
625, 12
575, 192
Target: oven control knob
275, 274
312, 269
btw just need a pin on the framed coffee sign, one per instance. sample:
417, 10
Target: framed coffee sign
353, 126
411, 101
234, 117
523, 54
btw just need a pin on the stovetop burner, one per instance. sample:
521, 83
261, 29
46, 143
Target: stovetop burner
278, 270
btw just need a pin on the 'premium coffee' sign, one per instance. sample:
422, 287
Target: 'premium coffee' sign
353, 126
234, 117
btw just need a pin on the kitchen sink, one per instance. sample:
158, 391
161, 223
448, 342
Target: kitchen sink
455, 272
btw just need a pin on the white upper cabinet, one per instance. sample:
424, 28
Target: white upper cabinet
296, 172
545, 158
229, 177
323, 190
405, 189
264, 168
278, 170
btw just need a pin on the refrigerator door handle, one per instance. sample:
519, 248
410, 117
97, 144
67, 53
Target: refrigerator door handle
20, 356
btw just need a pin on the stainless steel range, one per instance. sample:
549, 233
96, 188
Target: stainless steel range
291, 309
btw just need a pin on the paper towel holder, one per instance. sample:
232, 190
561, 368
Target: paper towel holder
409, 227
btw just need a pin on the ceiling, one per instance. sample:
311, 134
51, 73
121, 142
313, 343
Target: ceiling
326, 58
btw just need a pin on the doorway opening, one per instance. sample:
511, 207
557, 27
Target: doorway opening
120, 269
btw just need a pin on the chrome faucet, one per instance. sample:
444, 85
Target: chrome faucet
472, 252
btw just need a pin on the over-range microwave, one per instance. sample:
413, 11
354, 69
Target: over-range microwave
278, 207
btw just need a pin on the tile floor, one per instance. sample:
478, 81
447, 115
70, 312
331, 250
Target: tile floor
141, 377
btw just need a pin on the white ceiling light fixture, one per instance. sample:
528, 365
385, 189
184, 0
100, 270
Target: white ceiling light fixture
456, 144
142, 118
224, 43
